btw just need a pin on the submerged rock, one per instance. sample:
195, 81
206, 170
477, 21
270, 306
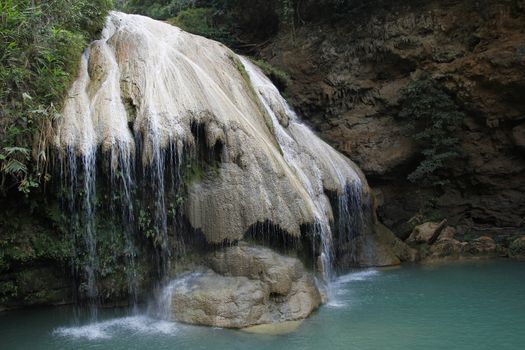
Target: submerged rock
249, 286
274, 328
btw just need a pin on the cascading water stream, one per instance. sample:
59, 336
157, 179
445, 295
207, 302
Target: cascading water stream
85, 154
268, 95
142, 91
122, 184
89, 235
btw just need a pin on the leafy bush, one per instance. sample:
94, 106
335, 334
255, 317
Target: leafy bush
433, 117
158, 9
41, 43
200, 21
517, 248
280, 78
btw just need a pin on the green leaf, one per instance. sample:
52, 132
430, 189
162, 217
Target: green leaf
14, 167
13, 150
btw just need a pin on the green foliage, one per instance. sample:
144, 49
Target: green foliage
200, 21
245, 24
223, 20
23, 240
145, 222
195, 170
158, 9
41, 42
280, 78
517, 248
240, 68
432, 118
8, 290
287, 12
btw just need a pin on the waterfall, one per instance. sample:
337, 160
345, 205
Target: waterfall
161, 125
287, 138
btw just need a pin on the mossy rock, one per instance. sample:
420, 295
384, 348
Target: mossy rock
35, 286
517, 249
280, 78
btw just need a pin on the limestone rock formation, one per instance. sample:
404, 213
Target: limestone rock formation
184, 137
248, 286
144, 88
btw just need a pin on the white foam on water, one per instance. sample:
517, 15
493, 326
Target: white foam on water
106, 329
357, 276
340, 295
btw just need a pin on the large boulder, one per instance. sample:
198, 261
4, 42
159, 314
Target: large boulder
423, 233
247, 286
276, 271
448, 248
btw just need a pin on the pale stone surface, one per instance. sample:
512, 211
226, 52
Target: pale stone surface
274, 328
250, 286
277, 271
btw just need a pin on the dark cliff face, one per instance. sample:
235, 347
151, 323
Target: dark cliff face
346, 80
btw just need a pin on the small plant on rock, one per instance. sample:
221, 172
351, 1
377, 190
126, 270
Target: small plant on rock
432, 117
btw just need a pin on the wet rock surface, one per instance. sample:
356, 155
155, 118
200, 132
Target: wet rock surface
247, 286
378, 248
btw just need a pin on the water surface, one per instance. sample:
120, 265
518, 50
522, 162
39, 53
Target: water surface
476, 305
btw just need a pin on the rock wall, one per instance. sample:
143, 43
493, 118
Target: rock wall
32, 261
346, 80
